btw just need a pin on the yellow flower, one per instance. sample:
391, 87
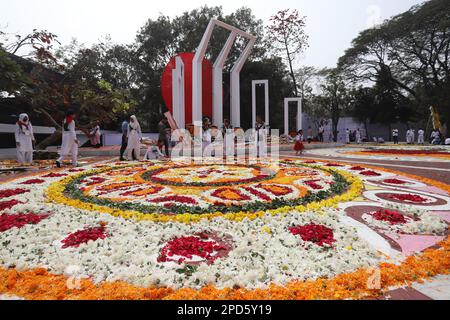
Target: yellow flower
266, 229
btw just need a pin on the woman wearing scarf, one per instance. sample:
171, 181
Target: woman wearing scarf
94, 136
24, 140
134, 139
69, 140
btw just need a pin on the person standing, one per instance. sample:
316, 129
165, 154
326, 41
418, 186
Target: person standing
347, 136
299, 147
421, 137
413, 136
226, 126
69, 140
321, 132
408, 136
260, 127
124, 139
395, 135
24, 140
134, 139
163, 139
94, 136
358, 136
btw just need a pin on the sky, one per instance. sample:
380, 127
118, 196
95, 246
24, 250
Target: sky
331, 24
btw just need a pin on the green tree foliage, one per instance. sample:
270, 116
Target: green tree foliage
412, 51
333, 100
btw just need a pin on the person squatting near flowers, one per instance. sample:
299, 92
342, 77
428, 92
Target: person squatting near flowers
134, 139
299, 147
24, 140
69, 140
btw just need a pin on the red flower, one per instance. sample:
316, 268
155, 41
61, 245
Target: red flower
84, 236
9, 192
34, 181
370, 173
9, 221
333, 165
316, 233
188, 247
357, 168
93, 180
54, 175
8, 204
394, 181
176, 199
312, 184
258, 194
408, 198
392, 217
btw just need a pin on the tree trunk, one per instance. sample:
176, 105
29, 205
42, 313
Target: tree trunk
366, 127
334, 126
291, 68
50, 140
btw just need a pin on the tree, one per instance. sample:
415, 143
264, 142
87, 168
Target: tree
333, 99
413, 49
12, 77
287, 34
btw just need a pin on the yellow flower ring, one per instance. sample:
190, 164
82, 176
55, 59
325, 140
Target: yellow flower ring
273, 183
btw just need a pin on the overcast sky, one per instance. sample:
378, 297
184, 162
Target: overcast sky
331, 24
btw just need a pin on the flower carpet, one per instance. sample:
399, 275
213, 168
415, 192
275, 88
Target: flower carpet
392, 152
163, 230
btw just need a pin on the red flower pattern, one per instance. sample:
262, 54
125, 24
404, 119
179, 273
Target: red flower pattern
188, 247
80, 237
8, 204
33, 181
316, 233
12, 192
370, 173
9, 221
392, 217
394, 181
408, 198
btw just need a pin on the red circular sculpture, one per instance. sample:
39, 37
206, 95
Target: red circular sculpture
166, 85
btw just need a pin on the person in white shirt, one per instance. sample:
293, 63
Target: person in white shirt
421, 137
134, 139
413, 136
358, 137
347, 136
408, 136
69, 140
395, 136
24, 140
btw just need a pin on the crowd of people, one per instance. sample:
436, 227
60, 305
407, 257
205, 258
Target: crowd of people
132, 138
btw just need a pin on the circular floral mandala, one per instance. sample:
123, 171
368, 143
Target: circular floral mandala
304, 231
170, 189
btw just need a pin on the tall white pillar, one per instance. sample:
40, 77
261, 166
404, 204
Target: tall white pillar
266, 101
235, 83
217, 80
178, 102
197, 64
286, 114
